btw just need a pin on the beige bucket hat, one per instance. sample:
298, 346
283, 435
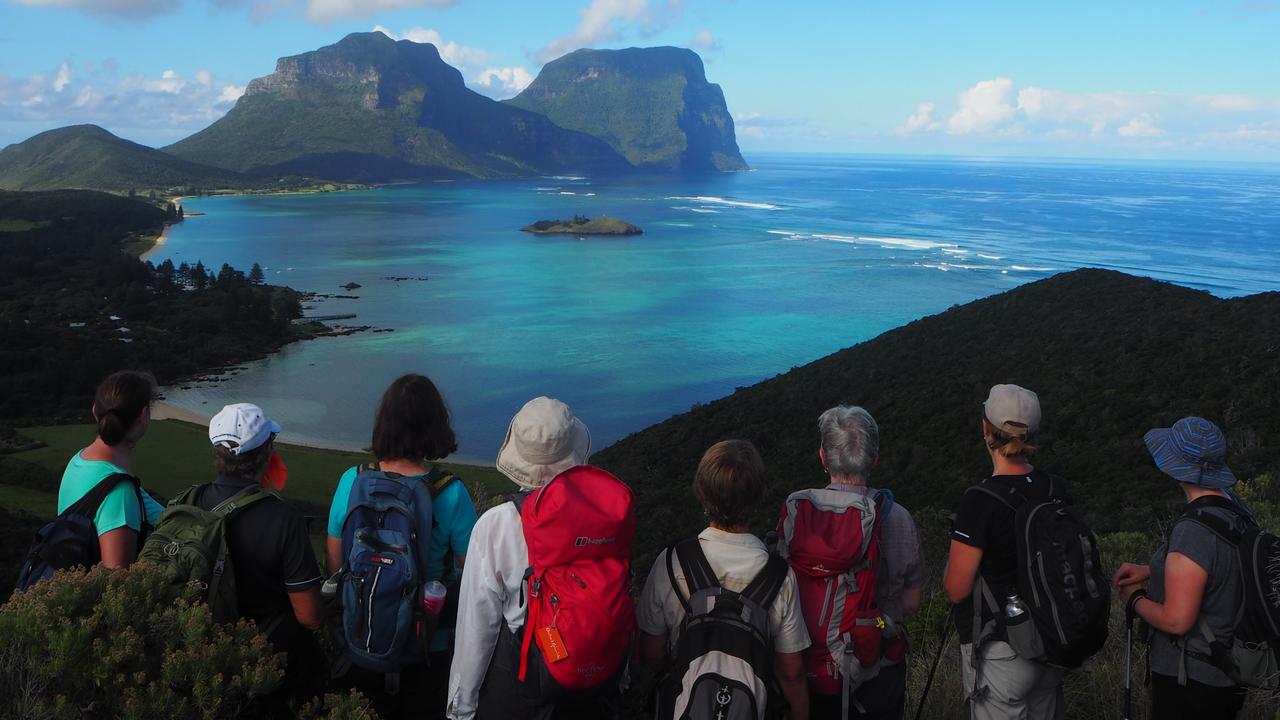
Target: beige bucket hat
543, 440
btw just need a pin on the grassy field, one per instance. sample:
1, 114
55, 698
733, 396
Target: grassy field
175, 455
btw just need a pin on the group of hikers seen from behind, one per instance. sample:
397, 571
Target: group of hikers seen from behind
528, 611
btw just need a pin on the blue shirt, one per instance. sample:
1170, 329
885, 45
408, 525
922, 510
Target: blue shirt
119, 509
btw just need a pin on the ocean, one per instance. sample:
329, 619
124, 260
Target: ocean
736, 278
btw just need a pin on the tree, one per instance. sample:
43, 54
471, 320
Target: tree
255, 274
199, 277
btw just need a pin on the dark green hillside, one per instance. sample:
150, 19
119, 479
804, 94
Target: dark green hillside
88, 157
64, 276
369, 108
1110, 356
653, 105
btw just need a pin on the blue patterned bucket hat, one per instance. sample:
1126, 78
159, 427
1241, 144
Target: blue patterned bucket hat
1193, 451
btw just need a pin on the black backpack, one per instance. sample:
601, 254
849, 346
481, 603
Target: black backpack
1060, 580
71, 539
1253, 657
722, 665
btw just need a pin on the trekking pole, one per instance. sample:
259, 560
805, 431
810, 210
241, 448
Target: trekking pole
942, 644
1128, 674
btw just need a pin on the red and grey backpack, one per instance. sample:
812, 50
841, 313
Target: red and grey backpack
831, 538
581, 619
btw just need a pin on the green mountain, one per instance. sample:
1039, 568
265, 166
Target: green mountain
369, 108
1110, 356
653, 105
88, 157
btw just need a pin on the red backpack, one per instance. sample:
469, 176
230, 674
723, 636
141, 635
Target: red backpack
579, 528
831, 538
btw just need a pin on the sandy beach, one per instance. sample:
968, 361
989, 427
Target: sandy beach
157, 244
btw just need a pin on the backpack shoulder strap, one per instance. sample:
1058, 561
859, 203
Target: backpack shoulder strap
1006, 494
884, 502
437, 480
235, 504
765, 586
698, 574
1224, 529
88, 504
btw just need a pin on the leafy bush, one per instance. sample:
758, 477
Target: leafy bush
125, 643
347, 706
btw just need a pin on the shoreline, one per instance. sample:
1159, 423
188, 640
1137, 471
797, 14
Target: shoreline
165, 410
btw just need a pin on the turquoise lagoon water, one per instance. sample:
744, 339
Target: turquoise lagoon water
737, 277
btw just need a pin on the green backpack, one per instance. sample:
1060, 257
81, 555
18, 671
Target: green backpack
190, 544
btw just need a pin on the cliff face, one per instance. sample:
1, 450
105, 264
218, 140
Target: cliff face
371, 109
653, 105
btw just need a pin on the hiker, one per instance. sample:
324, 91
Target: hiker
411, 430
984, 549
122, 411
846, 532
711, 578
1193, 582
553, 563
277, 578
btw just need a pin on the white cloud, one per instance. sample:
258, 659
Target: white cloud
1140, 126
116, 8
705, 42
604, 21
921, 119
502, 83
983, 107
478, 66
154, 109
328, 11
996, 111
63, 79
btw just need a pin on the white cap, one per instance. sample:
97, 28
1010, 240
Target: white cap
543, 440
1013, 409
241, 427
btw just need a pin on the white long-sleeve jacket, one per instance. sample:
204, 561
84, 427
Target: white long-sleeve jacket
492, 592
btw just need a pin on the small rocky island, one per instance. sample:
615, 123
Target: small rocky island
582, 225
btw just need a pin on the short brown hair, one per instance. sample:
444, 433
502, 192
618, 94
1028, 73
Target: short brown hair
245, 466
729, 482
412, 422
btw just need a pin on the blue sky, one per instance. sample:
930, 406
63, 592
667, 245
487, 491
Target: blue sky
1160, 79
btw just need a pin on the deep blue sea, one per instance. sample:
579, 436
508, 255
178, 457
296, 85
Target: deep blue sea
736, 278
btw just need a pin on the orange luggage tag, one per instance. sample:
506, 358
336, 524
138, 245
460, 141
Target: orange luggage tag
551, 644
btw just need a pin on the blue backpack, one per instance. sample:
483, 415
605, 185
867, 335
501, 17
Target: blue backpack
386, 538
71, 539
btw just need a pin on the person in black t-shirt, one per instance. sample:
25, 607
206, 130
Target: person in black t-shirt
276, 573
983, 543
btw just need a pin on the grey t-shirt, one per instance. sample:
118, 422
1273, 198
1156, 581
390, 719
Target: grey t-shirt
1218, 607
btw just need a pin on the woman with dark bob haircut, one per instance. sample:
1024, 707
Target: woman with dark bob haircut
122, 411
410, 431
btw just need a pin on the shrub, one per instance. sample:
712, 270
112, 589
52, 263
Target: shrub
125, 643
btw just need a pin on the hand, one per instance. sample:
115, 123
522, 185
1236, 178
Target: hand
1127, 591
1130, 575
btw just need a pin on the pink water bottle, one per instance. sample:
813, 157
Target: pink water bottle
433, 595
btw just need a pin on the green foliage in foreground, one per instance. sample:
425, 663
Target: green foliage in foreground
126, 644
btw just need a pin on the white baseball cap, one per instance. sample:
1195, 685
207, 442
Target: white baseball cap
1013, 409
241, 427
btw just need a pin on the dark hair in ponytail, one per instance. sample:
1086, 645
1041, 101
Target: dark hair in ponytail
119, 402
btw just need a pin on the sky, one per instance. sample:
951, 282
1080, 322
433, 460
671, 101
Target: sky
1146, 79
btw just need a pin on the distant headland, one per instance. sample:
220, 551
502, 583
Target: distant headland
582, 225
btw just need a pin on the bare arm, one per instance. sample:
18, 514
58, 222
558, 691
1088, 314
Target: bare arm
1184, 584
119, 547
332, 554
789, 668
962, 569
653, 650
307, 607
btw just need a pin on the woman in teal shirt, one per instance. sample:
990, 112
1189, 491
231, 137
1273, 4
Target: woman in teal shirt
410, 431
122, 409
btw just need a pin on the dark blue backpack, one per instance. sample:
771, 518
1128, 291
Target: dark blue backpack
71, 539
386, 537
